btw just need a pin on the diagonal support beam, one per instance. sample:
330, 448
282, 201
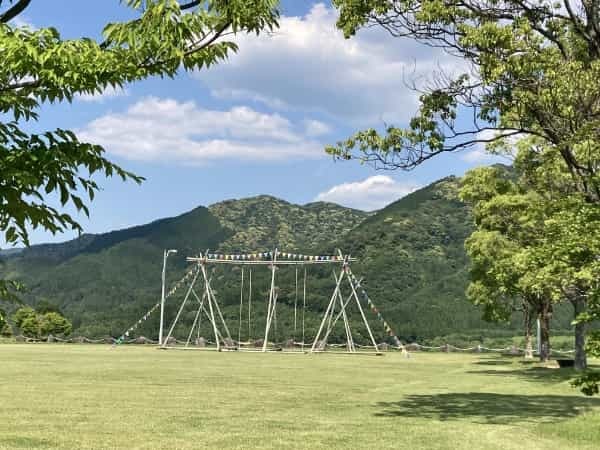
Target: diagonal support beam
187, 295
210, 305
329, 308
362, 313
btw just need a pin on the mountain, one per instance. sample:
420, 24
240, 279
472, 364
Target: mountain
413, 253
410, 254
105, 282
267, 222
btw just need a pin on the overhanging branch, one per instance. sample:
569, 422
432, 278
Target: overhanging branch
14, 11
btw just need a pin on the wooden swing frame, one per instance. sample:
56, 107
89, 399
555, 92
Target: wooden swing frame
220, 330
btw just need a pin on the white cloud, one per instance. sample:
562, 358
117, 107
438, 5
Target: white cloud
478, 155
370, 194
108, 93
307, 65
156, 129
23, 22
316, 128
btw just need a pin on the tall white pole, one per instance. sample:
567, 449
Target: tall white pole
162, 297
539, 337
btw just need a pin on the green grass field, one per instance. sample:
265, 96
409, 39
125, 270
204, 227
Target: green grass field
87, 396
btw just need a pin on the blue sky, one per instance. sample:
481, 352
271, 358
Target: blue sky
255, 124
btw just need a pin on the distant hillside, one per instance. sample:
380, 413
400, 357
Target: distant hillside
413, 253
264, 222
105, 282
410, 254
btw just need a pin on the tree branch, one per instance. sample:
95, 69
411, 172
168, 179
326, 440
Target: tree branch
189, 5
14, 11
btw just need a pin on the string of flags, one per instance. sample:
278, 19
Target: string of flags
388, 329
156, 306
269, 256
266, 255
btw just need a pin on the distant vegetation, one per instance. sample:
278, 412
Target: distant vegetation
41, 323
411, 255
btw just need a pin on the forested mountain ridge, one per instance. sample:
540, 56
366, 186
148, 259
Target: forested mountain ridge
413, 253
104, 281
410, 253
266, 222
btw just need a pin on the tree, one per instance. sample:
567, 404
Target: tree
55, 324
4, 327
30, 327
6, 330
39, 66
508, 225
542, 248
26, 319
23, 314
533, 71
570, 241
9, 290
36, 325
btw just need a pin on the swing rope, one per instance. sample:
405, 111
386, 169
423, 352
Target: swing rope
296, 306
303, 306
241, 307
275, 311
250, 305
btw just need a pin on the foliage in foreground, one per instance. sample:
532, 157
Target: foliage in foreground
39, 66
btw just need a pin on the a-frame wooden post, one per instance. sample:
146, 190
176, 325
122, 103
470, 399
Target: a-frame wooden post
210, 305
362, 313
329, 306
272, 302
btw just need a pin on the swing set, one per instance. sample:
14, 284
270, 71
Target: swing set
247, 345
206, 305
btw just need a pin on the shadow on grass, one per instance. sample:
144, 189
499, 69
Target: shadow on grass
488, 408
493, 362
539, 374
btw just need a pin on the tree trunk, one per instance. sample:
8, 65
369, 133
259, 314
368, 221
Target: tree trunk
545, 316
579, 306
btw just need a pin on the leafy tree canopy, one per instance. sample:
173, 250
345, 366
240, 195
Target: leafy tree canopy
55, 324
22, 314
508, 221
39, 65
36, 325
532, 75
534, 241
533, 71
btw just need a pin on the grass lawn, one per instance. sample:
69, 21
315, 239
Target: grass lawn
93, 396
